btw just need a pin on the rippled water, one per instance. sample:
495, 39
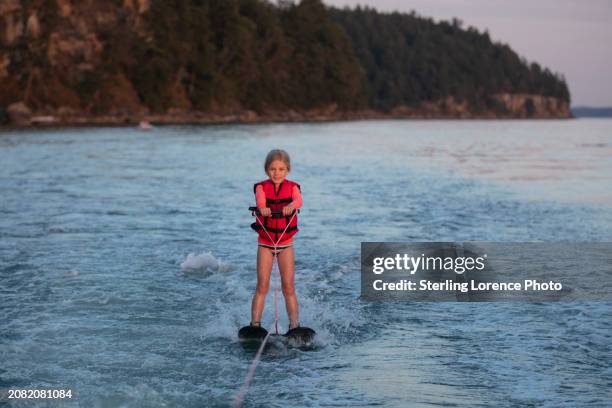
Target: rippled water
95, 224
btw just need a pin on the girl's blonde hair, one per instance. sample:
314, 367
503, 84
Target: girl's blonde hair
277, 154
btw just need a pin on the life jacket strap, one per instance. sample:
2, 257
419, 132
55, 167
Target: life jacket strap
273, 201
258, 227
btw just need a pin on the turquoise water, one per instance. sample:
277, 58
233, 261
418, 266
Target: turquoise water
96, 223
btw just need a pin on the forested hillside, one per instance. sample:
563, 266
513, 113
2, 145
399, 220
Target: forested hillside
409, 59
118, 61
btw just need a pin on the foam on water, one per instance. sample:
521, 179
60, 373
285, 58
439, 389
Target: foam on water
204, 261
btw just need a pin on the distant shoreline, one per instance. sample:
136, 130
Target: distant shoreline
592, 112
250, 117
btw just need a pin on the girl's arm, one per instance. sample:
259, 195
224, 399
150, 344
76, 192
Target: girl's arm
296, 195
260, 197
260, 201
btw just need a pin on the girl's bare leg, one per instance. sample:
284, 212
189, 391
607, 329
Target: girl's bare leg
264, 267
286, 263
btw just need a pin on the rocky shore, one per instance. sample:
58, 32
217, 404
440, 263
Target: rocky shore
514, 107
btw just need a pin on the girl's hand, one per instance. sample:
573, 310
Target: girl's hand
265, 211
288, 210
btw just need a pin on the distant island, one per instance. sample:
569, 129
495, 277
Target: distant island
66, 62
592, 112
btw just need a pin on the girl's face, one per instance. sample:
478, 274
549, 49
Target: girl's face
277, 171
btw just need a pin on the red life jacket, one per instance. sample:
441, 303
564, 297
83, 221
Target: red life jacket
276, 200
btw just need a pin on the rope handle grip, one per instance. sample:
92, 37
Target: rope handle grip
255, 211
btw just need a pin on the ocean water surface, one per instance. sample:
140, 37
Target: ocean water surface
97, 226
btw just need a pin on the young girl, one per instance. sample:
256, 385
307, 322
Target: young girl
276, 231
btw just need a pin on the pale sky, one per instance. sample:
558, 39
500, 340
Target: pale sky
570, 37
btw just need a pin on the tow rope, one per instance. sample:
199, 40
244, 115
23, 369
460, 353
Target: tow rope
239, 398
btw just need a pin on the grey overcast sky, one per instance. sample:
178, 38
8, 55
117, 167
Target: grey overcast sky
571, 37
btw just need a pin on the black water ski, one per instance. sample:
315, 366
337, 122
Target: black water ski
301, 336
251, 338
252, 333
